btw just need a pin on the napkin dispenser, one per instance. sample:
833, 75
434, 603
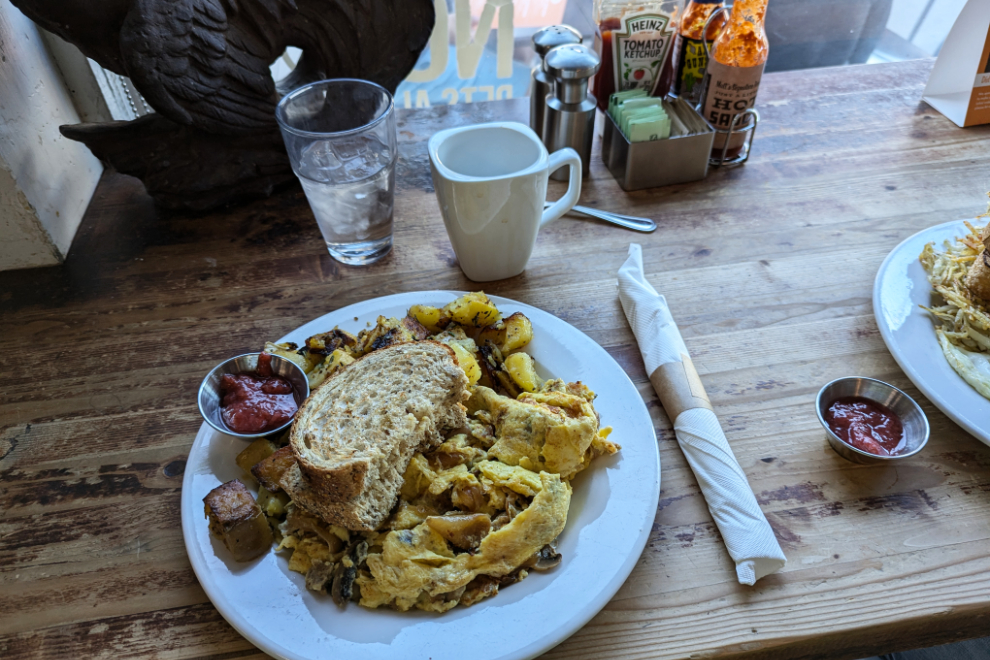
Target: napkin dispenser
680, 158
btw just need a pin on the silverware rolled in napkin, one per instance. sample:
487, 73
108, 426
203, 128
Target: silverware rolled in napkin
745, 530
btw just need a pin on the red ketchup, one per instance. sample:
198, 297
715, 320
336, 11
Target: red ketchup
256, 402
866, 425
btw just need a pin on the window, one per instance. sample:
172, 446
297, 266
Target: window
481, 50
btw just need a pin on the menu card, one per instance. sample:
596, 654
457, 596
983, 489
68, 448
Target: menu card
959, 85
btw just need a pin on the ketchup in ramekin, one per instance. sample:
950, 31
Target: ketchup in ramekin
866, 425
256, 402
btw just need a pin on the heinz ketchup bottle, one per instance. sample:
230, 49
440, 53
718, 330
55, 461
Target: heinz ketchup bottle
635, 41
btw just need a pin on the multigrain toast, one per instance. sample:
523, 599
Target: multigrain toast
354, 437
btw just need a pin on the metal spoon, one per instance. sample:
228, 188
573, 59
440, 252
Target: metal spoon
627, 221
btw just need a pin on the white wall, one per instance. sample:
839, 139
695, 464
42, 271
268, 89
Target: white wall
46, 181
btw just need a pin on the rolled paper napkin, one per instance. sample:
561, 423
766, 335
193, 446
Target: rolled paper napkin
745, 530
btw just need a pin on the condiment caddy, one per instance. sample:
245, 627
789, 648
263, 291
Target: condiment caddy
680, 158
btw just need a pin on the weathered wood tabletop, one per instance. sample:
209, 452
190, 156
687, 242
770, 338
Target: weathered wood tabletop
768, 270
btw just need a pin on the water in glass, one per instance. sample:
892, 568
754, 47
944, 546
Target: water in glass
349, 185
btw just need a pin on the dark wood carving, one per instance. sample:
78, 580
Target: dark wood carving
203, 65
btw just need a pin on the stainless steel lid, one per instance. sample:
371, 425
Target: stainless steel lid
553, 36
572, 62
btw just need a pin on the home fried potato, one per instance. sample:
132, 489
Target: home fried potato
254, 453
273, 504
494, 370
474, 310
333, 363
237, 520
466, 361
522, 370
290, 352
510, 334
388, 332
431, 318
326, 343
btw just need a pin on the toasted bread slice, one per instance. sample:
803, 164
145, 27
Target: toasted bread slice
354, 436
361, 514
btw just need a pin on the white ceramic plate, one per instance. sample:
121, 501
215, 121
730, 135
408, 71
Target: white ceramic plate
610, 518
909, 332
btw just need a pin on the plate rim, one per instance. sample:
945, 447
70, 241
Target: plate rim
538, 646
894, 349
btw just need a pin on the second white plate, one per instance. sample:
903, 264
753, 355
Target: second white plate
909, 331
609, 521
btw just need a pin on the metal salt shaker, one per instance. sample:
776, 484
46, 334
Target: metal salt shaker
543, 41
570, 112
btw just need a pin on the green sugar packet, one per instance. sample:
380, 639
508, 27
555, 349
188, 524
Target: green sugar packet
636, 107
650, 112
637, 103
619, 97
646, 129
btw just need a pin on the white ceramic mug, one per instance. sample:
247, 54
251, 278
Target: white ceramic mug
491, 182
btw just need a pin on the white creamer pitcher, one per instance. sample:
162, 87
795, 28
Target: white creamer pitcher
491, 183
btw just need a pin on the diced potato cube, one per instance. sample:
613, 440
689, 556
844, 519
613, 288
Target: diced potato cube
237, 520
388, 332
273, 504
510, 334
416, 330
431, 318
338, 360
255, 452
284, 350
325, 343
452, 331
473, 309
467, 362
522, 370
455, 335
334, 363
518, 332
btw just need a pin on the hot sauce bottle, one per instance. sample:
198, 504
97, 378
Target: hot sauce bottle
733, 78
692, 60
634, 41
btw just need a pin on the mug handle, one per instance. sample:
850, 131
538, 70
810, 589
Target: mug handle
558, 159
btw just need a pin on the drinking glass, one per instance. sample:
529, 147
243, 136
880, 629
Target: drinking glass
341, 139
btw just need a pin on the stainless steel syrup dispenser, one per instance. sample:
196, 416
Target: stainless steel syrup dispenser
543, 41
570, 111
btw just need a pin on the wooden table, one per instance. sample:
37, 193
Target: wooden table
768, 269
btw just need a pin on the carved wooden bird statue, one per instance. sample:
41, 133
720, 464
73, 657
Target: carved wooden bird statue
203, 65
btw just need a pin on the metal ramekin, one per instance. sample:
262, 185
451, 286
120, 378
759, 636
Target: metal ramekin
209, 390
912, 417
